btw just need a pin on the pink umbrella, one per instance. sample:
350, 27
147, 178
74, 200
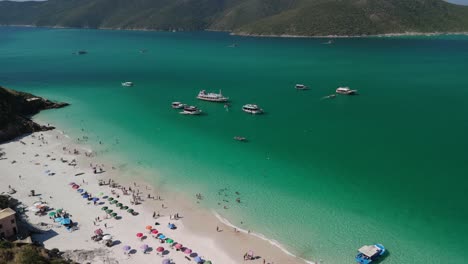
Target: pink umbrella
144, 246
160, 249
178, 246
139, 235
154, 231
188, 251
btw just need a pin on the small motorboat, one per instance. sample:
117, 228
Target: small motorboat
252, 109
177, 105
191, 110
127, 84
301, 87
367, 254
238, 138
81, 52
345, 91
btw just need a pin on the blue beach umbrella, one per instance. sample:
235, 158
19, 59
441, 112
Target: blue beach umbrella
161, 236
197, 259
80, 190
85, 196
95, 199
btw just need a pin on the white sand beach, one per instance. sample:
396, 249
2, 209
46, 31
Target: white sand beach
43, 162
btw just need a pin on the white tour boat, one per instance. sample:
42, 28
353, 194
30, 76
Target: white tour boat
212, 97
127, 84
301, 87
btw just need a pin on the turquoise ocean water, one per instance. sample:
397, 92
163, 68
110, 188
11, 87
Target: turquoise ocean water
322, 177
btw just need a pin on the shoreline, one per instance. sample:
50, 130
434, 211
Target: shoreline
198, 223
243, 34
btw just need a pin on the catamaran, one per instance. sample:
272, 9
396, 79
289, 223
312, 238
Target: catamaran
212, 97
345, 90
367, 254
252, 109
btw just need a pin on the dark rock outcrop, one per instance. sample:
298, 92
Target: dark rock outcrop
16, 108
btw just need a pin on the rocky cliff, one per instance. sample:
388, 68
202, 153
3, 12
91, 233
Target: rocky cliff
16, 108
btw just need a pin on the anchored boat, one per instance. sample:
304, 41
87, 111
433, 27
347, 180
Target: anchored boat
191, 110
177, 105
345, 91
127, 84
252, 109
212, 97
301, 87
367, 254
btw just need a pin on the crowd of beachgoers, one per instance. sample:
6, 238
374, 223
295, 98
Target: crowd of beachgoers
83, 203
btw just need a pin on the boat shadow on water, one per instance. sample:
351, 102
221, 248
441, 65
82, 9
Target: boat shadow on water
382, 258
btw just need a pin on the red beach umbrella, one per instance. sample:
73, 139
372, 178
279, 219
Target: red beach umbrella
160, 249
149, 227
154, 231
188, 251
139, 235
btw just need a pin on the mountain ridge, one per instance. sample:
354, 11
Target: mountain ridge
246, 17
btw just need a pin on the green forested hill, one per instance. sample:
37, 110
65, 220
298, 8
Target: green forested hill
261, 17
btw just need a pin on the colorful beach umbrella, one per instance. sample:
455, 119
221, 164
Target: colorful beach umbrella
98, 231
160, 249
85, 196
80, 190
95, 199
178, 246
52, 213
144, 247
197, 259
75, 187
130, 210
114, 214
154, 231
139, 235
161, 236
101, 194
166, 261
169, 241
59, 210
119, 204
125, 207
72, 183
109, 211
110, 199
104, 208
148, 227
188, 251
114, 202
126, 248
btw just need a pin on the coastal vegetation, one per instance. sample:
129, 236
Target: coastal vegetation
250, 17
15, 109
11, 253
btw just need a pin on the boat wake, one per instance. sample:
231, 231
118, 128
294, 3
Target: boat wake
262, 237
